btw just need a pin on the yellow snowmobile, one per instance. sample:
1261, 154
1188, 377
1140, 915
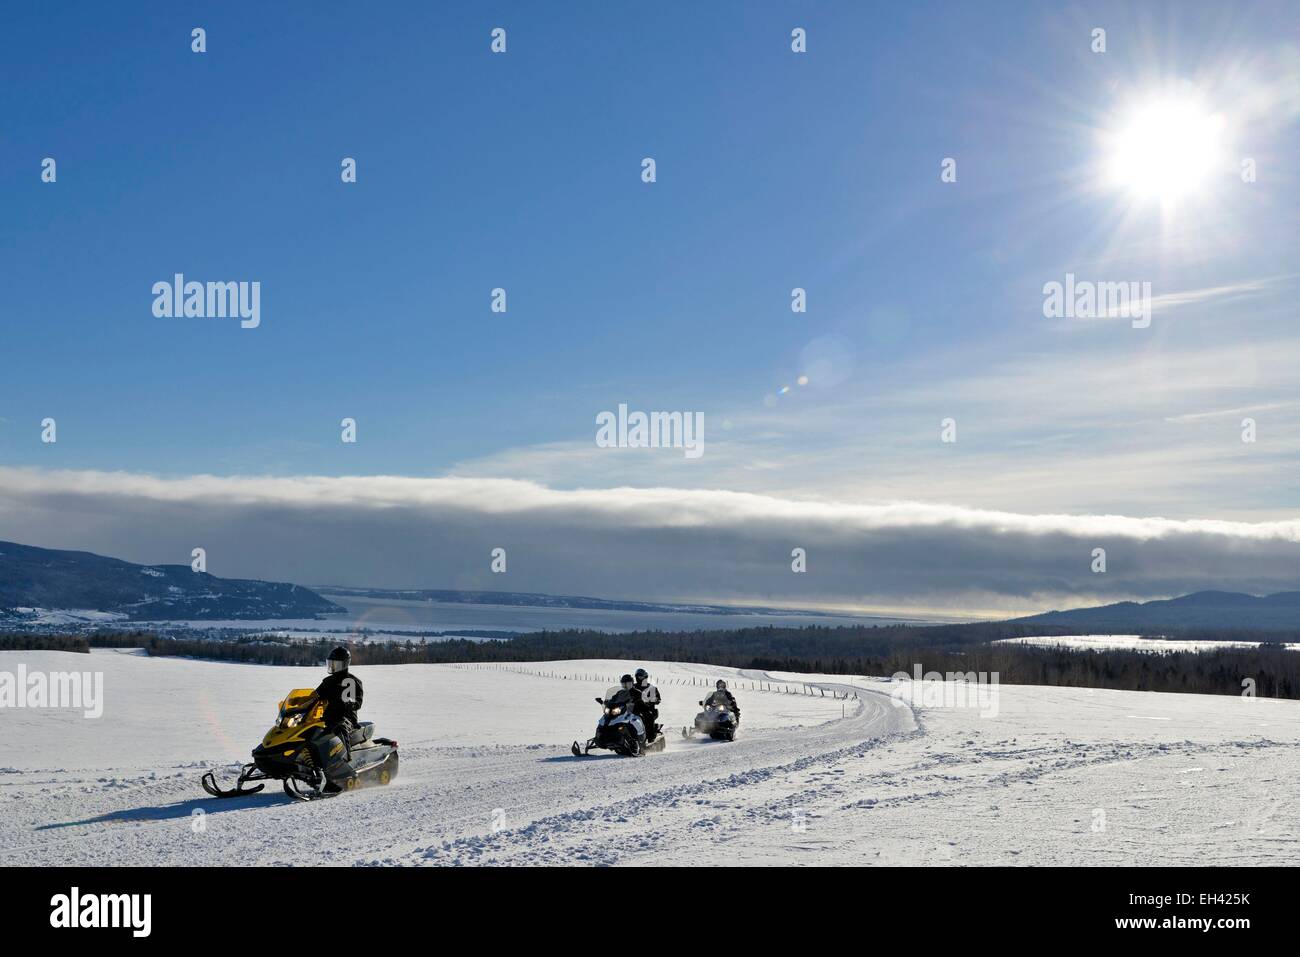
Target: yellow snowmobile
311, 761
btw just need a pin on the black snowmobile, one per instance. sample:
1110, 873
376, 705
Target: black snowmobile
717, 720
286, 755
619, 729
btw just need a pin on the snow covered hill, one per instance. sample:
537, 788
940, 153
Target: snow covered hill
37, 583
1060, 776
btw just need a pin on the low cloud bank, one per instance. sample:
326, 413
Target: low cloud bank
644, 543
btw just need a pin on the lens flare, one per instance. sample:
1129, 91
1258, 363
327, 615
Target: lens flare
1166, 148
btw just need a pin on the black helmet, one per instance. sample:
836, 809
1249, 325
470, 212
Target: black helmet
625, 680
642, 674
721, 685
338, 660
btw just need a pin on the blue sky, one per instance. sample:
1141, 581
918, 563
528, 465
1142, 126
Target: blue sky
775, 170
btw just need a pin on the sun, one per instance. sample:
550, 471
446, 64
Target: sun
1166, 149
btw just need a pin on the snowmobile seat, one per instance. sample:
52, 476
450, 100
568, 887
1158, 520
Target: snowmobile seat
362, 733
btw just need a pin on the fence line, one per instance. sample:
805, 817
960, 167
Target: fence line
739, 684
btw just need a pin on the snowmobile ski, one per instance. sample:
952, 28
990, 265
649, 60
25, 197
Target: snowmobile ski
249, 773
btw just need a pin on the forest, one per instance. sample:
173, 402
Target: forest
1266, 670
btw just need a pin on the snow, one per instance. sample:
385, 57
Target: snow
1056, 776
1133, 643
69, 616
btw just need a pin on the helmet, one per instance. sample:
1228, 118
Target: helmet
642, 674
721, 685
626, 681
338, 660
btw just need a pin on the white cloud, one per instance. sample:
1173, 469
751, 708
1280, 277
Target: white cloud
651, 543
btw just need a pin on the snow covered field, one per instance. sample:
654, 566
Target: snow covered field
1132, 643
1056, 776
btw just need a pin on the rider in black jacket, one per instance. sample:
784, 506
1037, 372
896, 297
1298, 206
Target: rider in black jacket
647, 707
342, 693
724, 698
341, 690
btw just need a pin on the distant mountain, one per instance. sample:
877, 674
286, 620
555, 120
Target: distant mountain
1202, 609
44, 578
538, 600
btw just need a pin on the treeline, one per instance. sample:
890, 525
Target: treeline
1274, 671
81, 644
258, 651
17, 641
876, 650
1200, 633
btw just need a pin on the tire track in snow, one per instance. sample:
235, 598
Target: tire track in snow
583, 835
449, 792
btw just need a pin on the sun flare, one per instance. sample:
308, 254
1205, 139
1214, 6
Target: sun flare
1166, 149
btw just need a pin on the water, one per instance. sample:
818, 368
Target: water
389, 618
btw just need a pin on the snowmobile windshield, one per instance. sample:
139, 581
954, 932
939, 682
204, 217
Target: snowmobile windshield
618, 697
300, 705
